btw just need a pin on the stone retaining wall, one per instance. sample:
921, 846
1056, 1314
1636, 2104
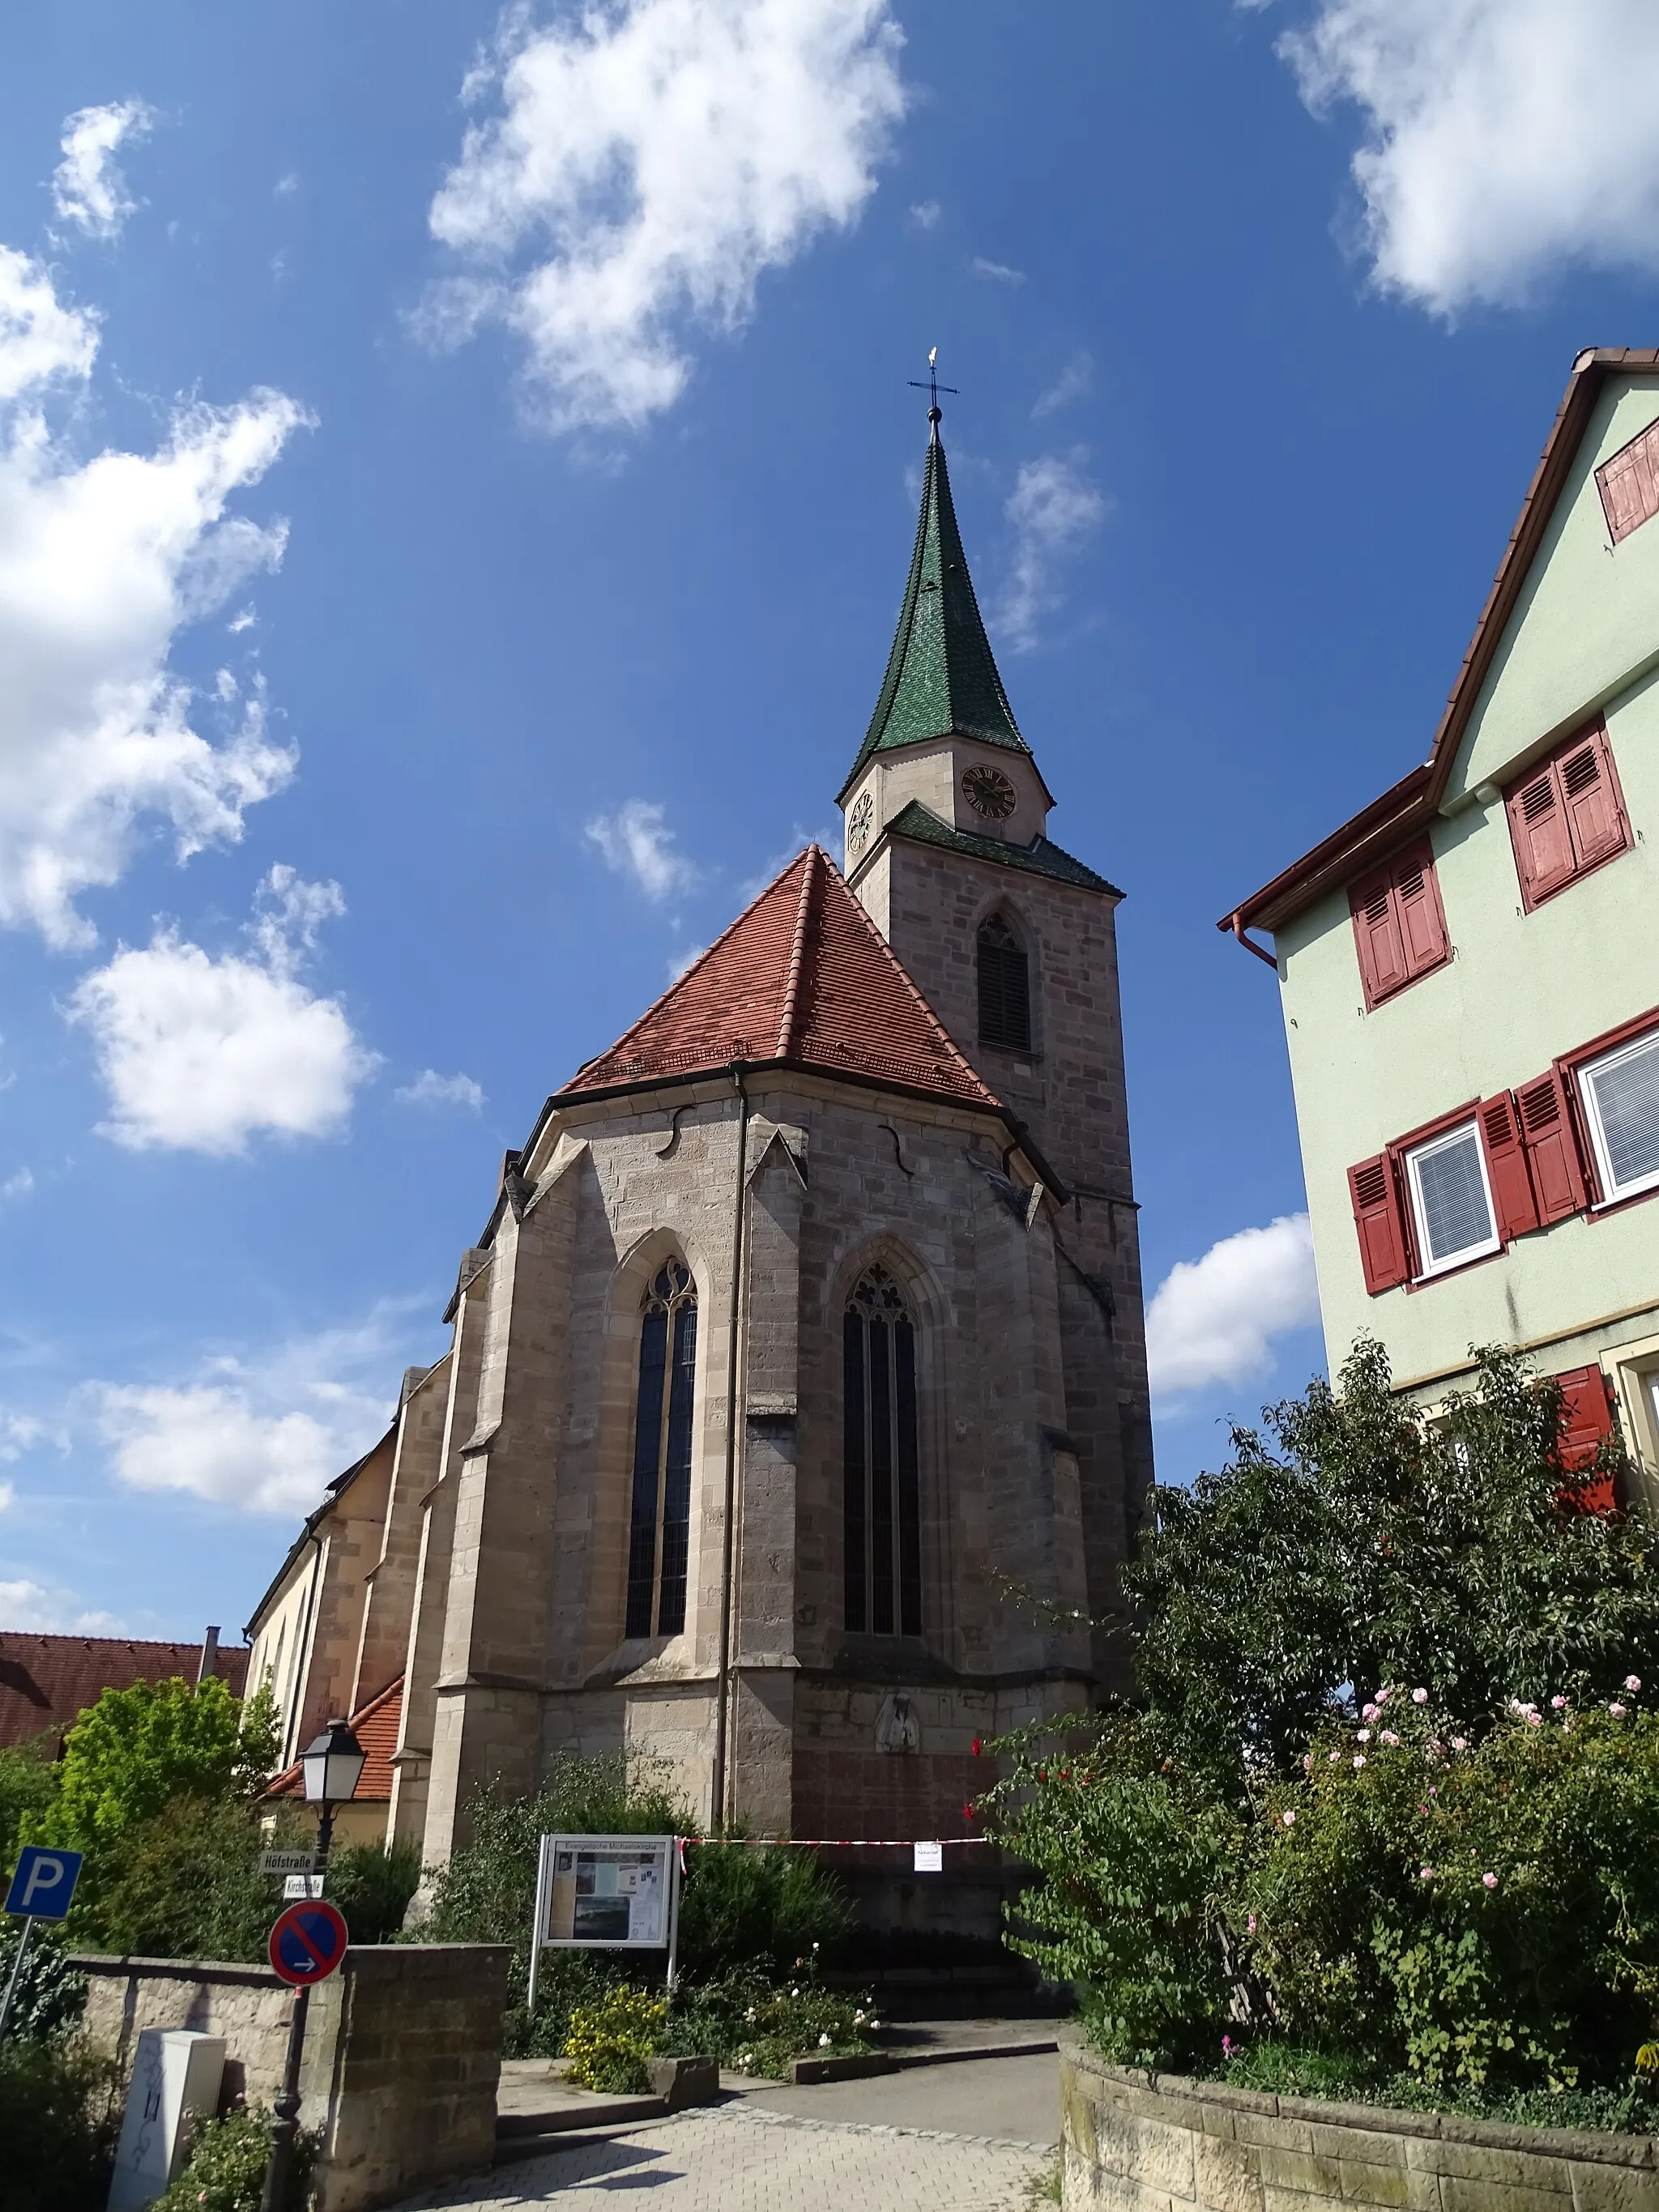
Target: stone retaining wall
1135, 2141
403, 2052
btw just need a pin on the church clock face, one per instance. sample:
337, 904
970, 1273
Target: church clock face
858, 824
989, 793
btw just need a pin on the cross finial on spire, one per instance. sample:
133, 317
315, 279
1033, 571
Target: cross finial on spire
933, 388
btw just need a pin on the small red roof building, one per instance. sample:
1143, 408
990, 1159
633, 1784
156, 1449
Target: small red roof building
46, 1682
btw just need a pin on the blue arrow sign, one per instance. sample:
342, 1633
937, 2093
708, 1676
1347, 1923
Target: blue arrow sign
44, 1882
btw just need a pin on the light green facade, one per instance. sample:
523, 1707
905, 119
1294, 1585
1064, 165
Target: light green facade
1521, 988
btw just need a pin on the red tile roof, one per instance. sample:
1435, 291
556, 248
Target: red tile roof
802, 976
375, 1726
46, 1682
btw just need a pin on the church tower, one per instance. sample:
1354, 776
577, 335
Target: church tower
1013, 943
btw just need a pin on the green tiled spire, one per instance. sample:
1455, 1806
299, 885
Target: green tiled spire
941, 677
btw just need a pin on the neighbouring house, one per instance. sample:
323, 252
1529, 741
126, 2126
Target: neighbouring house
794, 1422
46, 1682
363, 1820
1469, 974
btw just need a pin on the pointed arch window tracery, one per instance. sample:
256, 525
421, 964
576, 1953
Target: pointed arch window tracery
882, 1492
659, 1545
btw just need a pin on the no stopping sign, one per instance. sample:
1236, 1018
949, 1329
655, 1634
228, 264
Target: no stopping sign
307, 1943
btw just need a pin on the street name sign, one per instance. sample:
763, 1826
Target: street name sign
287, 1862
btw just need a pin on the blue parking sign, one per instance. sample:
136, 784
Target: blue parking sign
44, 1882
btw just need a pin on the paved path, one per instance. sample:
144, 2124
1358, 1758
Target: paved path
1015, 2098
740, 2158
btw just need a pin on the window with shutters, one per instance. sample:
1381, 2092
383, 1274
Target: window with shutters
1451, 1200
882, 1495
1399, 925
658, 1543
1566, 815
1629, 484
1005, 988
1620, 1095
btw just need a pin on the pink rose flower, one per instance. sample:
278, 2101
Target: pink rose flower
1336, 1758
1490, 1881
1618, 1710
1289, 1819
1557, 1703
1358, 1759
1425, 1873
1419, 1697
1389, 1736
1460, 1743
1633, 1681
1250, 1925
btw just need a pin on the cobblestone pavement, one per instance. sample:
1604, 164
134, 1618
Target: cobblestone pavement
731, 2158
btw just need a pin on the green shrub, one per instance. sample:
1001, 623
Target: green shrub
59, 2118
226, 2169
50, 1995
486, 1893
372, 1885
765, 1905
1482, 1913
1228, 1856
185, 1884
757, 2027
611, 2042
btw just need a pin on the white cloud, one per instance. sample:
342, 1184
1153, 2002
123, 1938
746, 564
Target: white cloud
19, 1432
1211, 1319
16, 1186
8, 1496
1054, 508
680, 962
87, 188
994, 272
431, 1088
30, 1608
263, 1434
101, 562
1505, 139
633, 841
651, 159
925, 214
1075, 381
197, 1053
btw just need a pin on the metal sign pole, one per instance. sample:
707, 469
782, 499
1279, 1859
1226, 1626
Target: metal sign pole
673, 1911
16, 1969
274, 2197
538, 1926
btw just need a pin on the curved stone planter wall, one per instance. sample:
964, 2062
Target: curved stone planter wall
1143, 2143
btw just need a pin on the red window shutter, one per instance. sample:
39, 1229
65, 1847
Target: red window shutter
1629, 483
1586, 1419
1381, 1224
1506, 1164
1422, 922
1376, 936
1594, 815
1538, 826
1546, 1131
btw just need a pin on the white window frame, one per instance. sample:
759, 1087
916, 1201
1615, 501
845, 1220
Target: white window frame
1445, 1142
1612, 1192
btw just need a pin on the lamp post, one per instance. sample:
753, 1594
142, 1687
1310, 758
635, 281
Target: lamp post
332, 1767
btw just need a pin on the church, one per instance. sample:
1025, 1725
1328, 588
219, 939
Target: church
794, 1422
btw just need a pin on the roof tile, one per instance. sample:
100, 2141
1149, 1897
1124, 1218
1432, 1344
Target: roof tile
46, 1682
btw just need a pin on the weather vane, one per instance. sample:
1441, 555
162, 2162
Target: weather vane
933, 387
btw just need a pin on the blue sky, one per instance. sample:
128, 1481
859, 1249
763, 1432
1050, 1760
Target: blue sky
456, 477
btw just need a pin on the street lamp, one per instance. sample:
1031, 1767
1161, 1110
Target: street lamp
331, 1767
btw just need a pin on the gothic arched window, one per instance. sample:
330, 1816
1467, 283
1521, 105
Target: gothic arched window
1005, 988
659, 1545
882, 1499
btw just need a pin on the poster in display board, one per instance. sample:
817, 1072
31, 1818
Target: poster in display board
606, 1894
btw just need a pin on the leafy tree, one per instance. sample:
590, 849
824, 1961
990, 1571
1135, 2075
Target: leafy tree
28, 1784
372, 1884
1371, 1547
186, 1883
138, 1749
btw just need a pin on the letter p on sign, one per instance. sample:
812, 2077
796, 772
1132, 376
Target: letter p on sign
44, 1883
